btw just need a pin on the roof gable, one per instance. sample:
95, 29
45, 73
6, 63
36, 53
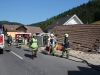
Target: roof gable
64, 21
21, 27
74, 17
59, 22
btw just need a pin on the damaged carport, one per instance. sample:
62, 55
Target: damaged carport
81, 37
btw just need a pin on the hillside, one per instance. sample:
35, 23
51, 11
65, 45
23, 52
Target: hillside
10, 23
97, 22
88, 13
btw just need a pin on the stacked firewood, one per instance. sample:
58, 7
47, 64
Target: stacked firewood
81, 37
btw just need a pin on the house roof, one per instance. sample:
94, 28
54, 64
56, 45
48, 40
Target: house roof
11, 27
30, 29
33, 29
59, 22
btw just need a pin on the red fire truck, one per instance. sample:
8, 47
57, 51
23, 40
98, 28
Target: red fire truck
23, 35
2, 43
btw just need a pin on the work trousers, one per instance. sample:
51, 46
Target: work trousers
9, 46
65, 50
34, 51
51, 49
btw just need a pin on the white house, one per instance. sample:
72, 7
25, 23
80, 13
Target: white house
69, 20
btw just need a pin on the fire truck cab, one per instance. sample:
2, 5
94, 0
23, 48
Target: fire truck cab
2, 43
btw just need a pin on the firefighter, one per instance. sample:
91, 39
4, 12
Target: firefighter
34, 46
9, 42
52, 44
48, 44
19, 41
66, 47
30, 43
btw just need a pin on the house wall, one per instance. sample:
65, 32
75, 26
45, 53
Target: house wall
12, 34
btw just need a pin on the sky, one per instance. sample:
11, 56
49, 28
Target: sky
33, 11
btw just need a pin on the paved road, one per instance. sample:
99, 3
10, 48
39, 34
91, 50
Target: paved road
18, 62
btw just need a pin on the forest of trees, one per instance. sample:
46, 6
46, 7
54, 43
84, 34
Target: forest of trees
87, 12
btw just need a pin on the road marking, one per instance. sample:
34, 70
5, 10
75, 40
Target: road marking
16, 55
